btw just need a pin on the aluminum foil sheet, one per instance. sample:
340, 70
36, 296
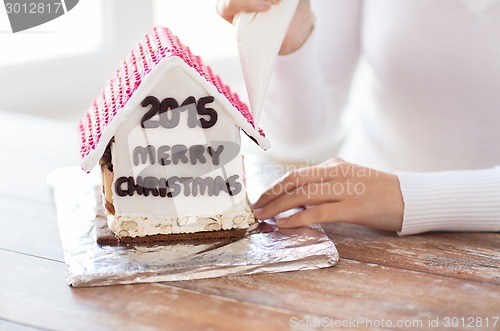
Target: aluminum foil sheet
267, 250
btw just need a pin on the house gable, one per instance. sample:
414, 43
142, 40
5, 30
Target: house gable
144, 67
181, 147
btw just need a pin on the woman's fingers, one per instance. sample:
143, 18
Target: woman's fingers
335, 191
310, 194
227, 9
328, 212
291, 181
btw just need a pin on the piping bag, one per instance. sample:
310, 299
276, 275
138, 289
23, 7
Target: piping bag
259, 37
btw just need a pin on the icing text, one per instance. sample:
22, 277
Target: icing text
176, 154
169, 112
173, 186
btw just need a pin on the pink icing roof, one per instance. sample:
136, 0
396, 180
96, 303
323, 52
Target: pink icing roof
160, 43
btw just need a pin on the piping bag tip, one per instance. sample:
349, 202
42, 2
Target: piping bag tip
259, 37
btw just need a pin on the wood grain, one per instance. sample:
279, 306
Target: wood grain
460, 255
30, 227
353, 289
34, 290
380, 275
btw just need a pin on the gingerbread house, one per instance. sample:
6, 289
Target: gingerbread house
166, 133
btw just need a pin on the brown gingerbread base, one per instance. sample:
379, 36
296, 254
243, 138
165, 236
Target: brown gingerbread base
105, 237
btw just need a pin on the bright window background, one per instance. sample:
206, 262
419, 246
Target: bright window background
62, 64
198, 25
88, 42
77, 32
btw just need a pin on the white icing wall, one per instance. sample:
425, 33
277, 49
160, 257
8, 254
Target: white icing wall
176, 84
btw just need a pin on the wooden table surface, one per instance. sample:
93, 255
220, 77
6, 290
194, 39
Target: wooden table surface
381, 280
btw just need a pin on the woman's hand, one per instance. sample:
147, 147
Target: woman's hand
335, 191
300, 27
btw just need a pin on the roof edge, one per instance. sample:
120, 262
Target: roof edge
149, 82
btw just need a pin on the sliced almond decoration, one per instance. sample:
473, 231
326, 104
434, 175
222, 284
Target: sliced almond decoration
213, 227
183, 221
206, 220
238, 219
128, 225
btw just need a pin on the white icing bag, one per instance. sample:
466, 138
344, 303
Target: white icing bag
259, 37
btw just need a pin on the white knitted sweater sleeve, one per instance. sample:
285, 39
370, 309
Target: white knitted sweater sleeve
451, 201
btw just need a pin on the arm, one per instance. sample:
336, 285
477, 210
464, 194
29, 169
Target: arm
451, 201
410, 203
334, 191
